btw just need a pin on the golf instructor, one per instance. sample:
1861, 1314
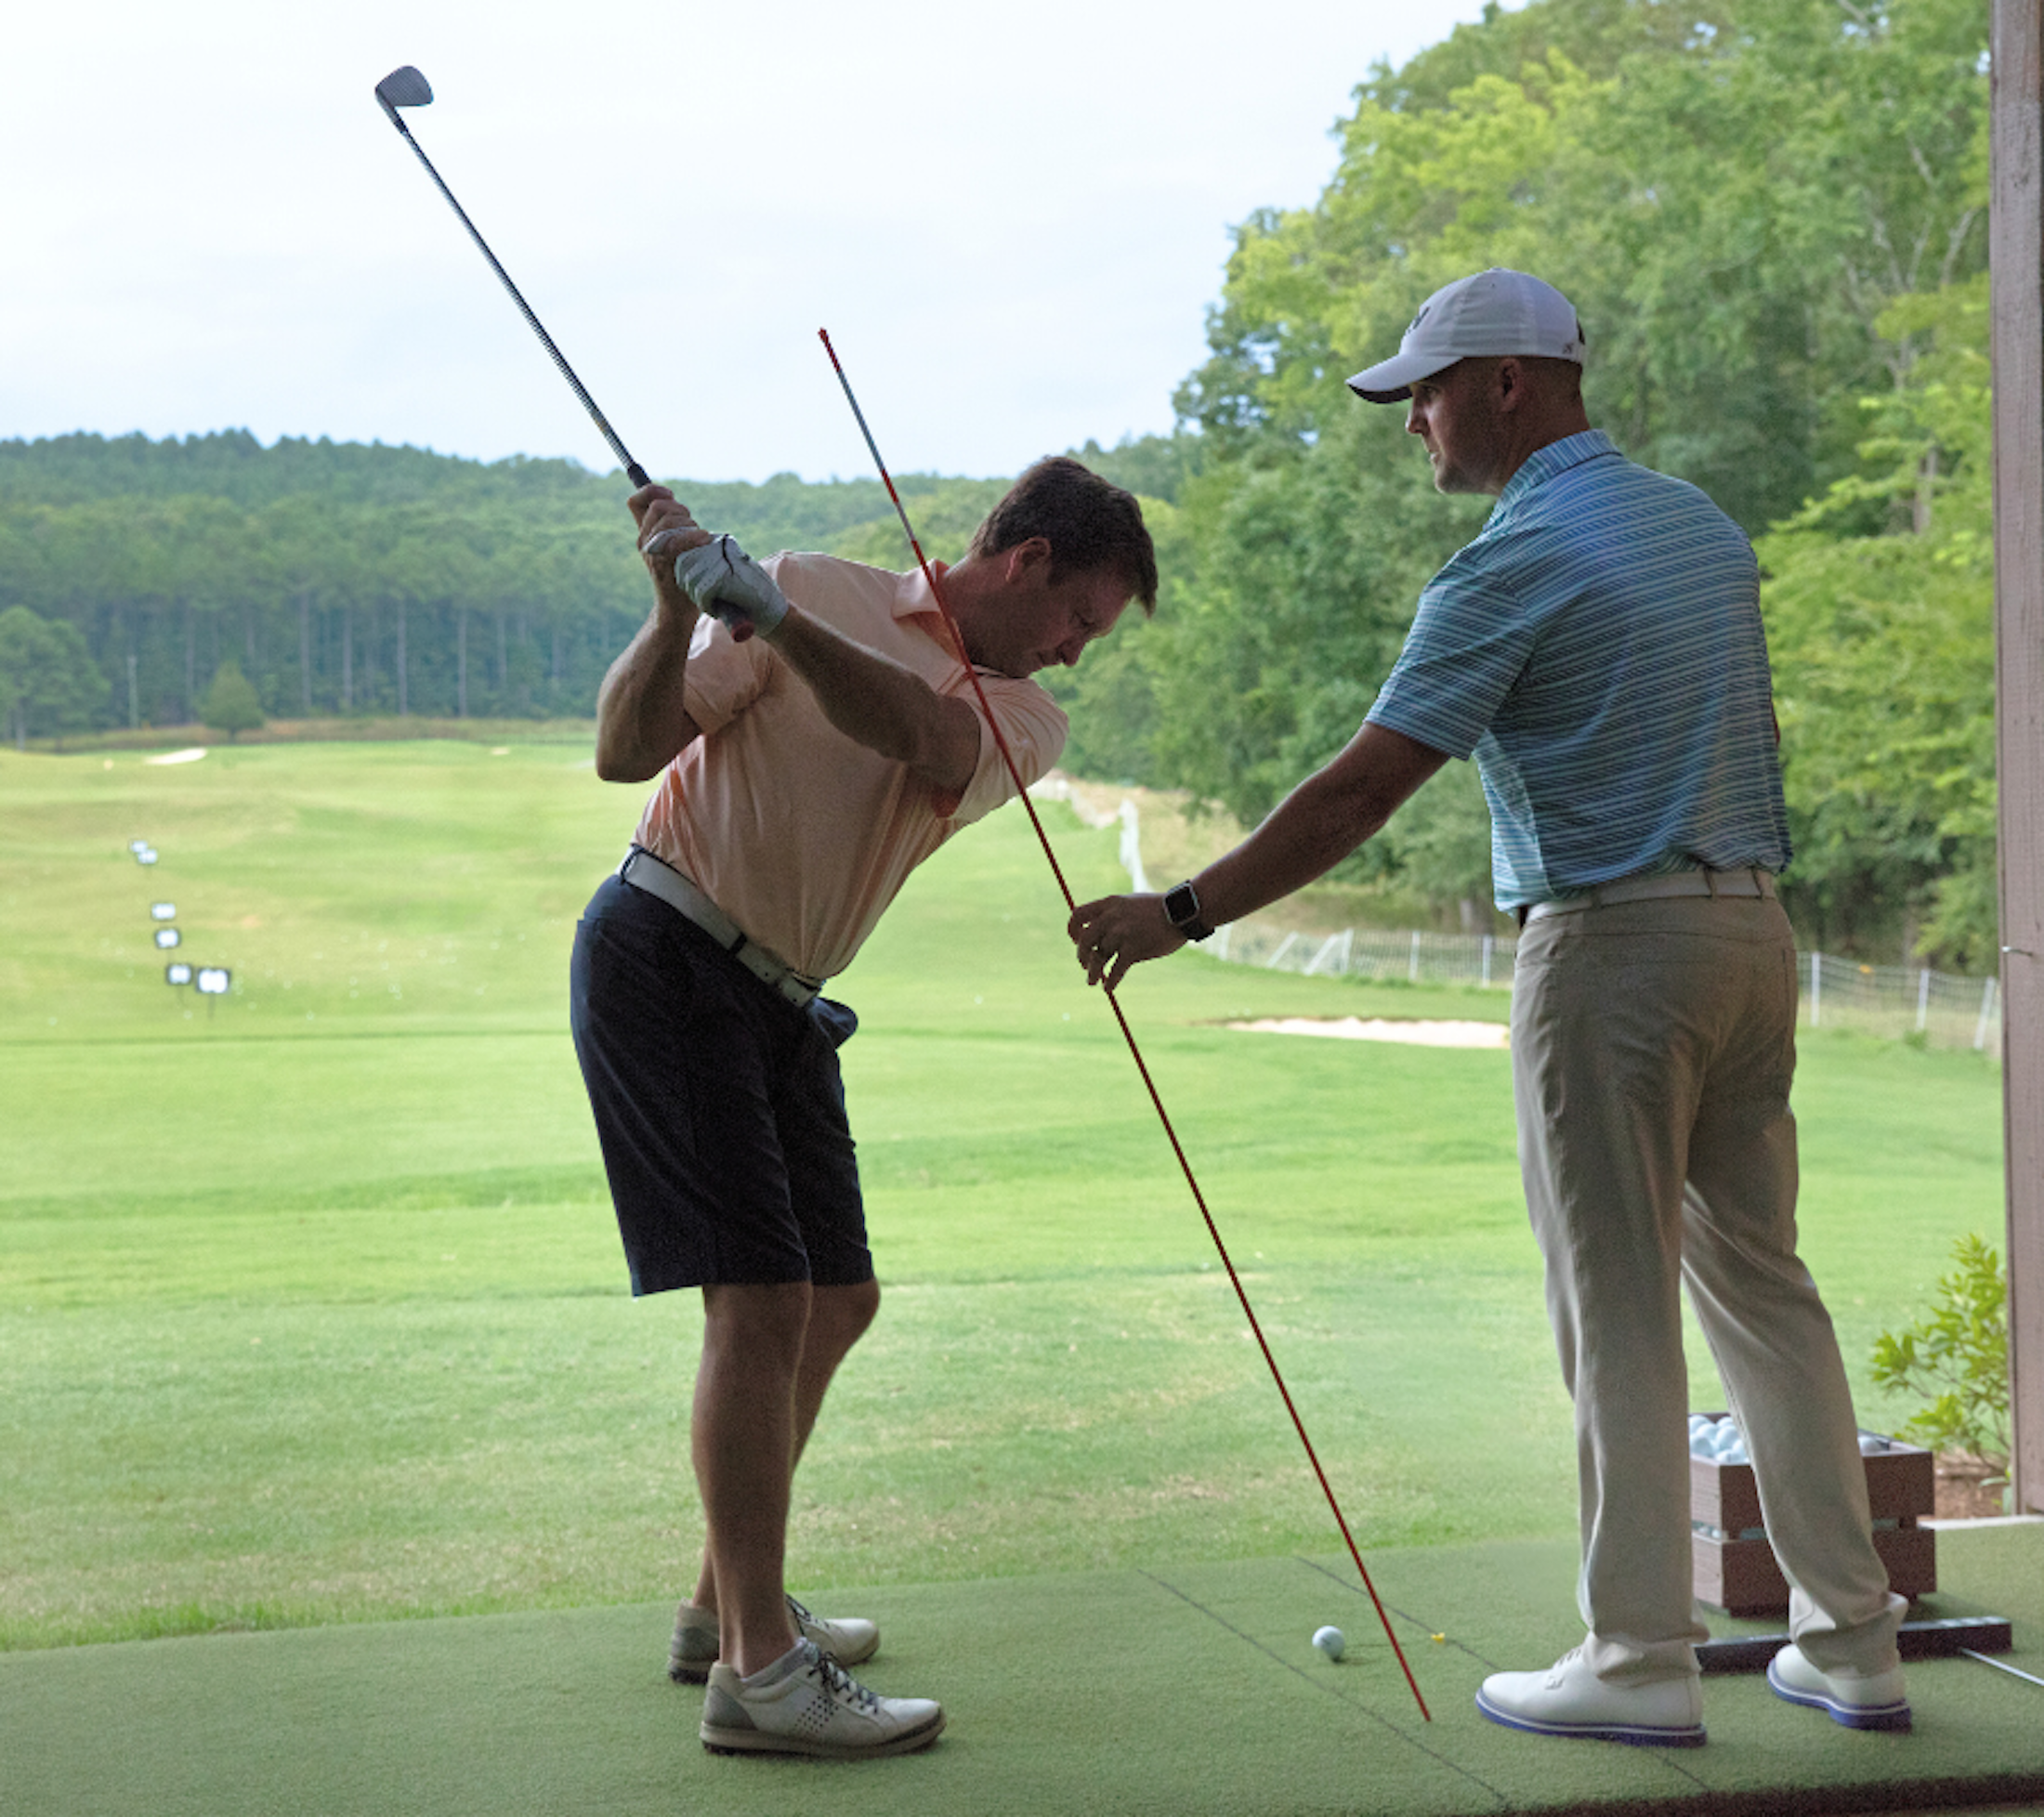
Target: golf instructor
815, 736
1598, 649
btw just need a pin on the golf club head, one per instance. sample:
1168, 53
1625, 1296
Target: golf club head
403, 88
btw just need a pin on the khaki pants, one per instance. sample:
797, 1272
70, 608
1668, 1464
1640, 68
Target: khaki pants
1652, 1044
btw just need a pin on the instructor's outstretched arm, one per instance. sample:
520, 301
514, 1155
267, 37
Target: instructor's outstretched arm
1325, 819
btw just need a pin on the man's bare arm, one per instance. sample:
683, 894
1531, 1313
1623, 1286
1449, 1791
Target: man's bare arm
873, 699
642, 724
1325, 819
870, 698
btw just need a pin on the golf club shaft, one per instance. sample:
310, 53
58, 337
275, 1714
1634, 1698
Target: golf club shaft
1128, 1035
2002, 1665
634, 472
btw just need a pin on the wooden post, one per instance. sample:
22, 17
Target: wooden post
2016, 257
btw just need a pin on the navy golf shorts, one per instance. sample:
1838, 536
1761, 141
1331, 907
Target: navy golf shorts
718, 1103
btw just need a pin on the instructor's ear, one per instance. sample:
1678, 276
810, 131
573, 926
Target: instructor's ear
1510, 384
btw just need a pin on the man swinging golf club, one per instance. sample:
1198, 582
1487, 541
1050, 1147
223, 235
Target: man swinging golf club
816, 737
1598, 649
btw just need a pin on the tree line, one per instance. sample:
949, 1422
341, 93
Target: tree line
1771, 215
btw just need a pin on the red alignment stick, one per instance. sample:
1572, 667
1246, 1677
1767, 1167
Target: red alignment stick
1199, 1199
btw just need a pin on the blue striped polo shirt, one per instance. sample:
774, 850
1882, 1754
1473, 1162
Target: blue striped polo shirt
1598, 650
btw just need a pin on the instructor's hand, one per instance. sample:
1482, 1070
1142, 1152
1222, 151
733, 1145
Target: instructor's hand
1117, 932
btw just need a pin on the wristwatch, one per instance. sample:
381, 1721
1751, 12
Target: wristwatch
1182, 909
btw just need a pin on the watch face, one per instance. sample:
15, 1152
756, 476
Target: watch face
1181, 906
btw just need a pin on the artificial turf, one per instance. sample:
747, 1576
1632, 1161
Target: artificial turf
1185, 1687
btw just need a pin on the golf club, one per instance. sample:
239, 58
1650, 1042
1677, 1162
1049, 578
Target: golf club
407, 87
1971, 1637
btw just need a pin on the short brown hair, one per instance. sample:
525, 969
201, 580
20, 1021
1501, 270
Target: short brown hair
1091, 524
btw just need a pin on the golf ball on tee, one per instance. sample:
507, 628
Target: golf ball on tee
1330, 1641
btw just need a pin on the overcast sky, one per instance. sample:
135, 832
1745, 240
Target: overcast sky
1011, 219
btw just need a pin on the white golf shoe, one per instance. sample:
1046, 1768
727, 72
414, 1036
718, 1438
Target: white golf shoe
694, 1648
806, 1703
1858, 1700
1569, 1699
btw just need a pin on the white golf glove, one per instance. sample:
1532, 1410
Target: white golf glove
729, 584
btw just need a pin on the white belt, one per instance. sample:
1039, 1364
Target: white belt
1748, 883
646, 870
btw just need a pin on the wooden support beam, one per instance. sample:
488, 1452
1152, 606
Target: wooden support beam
2016, 256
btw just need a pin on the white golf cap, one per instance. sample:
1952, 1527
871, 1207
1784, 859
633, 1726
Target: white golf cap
1495, 313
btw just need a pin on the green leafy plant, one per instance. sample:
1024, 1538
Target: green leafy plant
231, 704
1958, 1358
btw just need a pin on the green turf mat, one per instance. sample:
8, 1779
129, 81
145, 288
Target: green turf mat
1164, 1692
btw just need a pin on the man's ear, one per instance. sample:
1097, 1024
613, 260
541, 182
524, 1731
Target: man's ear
1510, 384
1020, 562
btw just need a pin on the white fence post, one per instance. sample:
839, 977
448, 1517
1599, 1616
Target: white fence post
1413, 970
1817, 989
1986, 1014
1132, 846
1923, 1000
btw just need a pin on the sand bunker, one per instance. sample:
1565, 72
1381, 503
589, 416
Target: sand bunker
1416, 1034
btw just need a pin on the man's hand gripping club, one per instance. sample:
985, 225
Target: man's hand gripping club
721, 579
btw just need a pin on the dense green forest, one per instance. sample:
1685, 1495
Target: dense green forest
1771, 215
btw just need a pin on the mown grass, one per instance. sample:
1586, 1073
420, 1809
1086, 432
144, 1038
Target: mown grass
311, 1308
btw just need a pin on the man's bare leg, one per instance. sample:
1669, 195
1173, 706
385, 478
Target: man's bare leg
742, 1437
833, 1320
839, 1317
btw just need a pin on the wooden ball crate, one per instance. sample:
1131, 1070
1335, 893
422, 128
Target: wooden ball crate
1733, 1563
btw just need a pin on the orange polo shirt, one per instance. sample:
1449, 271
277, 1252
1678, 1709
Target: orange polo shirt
799, 834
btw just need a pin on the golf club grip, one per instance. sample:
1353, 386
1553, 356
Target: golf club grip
658, 544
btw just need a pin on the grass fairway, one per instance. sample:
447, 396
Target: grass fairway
311, 1307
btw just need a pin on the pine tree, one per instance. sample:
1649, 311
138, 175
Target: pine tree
231, 705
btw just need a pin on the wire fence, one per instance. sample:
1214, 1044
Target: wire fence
1900, 1002
1892, 1000
1362, 952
